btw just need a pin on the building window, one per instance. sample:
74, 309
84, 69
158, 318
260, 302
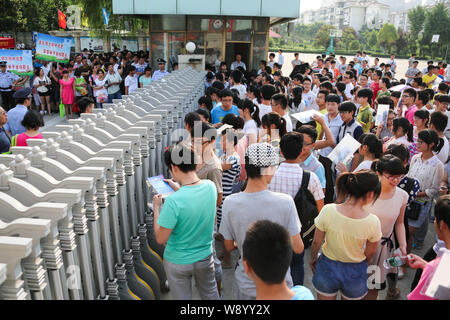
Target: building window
259, 49
239, 29
199, 39
214, 54
176, 47
167, 22
157, 47
260, 25
205, 24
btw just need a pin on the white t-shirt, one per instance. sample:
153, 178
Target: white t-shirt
280, 59
443, 154
310, 98
44, 80
348, 87
46, 69
250, 127
264, 109
99, 83
289, 127
131, 83
366, 164
242, 90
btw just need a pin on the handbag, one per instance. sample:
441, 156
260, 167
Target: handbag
415, 207
62, 110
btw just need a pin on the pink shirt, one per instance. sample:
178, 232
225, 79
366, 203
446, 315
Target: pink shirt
409, 114
22, 139
427, 272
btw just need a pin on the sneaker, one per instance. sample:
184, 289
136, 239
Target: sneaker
41, 112
393, 294
401, 272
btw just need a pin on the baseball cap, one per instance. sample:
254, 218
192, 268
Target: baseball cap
262, 155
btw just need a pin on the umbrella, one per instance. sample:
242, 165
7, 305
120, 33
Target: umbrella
401, 88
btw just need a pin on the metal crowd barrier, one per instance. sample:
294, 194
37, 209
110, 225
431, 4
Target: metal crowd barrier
75, 211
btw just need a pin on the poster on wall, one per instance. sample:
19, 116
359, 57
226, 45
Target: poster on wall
130, 44
18, 61
89, 43
52, 48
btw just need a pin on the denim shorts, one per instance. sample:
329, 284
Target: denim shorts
333, 276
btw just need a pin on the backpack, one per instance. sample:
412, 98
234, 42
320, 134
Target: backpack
306, 210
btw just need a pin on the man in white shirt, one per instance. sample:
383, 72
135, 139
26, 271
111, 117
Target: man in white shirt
393, 63
296, 61
438, 123
271, 60
238, 63
236, 78
280, 58
348, 76
46, 67
279, 105
308, 95
365, 57
131, 81
267, 91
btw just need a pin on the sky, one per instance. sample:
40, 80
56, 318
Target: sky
309, 5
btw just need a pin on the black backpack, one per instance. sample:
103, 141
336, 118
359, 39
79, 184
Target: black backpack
306, 210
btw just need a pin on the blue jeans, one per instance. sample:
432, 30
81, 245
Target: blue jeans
421, 233
297, 268
116, 95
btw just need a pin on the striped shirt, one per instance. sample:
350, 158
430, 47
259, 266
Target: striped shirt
229, 178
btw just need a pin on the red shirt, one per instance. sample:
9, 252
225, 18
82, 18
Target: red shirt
375, 86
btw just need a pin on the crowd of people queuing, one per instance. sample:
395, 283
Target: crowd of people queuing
86, 81
254, 179
265, 186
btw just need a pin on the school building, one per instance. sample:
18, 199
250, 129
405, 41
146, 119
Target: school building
219, 28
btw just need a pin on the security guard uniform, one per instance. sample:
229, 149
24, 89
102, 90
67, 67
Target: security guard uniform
158, 74
16, 114
7, 80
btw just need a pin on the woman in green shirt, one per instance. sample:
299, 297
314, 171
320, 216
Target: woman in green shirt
384, 86
146, 78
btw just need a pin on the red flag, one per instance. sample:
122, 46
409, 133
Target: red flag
62, 19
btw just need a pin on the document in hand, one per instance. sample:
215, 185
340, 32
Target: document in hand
305, 116
344, 151
382, 115
159, 185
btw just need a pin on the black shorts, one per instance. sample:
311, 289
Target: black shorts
44, 94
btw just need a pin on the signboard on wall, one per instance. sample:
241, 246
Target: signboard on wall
89, 43
131, 44
52, 48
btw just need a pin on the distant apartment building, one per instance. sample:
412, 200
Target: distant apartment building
358, 13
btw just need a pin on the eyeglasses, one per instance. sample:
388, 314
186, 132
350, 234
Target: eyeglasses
420, 142
394, 178
406, 96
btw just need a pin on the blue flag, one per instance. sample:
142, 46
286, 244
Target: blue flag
105, 16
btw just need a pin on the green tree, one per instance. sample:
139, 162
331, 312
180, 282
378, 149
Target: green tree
354, 45
387, 36
322, 38
42, 15
416, 19
437, 22
13, 17
372, 38
348, 36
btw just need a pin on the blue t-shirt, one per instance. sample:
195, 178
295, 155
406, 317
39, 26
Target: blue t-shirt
190, 213
302, 293
217, 114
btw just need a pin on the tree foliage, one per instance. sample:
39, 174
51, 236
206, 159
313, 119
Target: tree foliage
348, 36
387, 36
322, 38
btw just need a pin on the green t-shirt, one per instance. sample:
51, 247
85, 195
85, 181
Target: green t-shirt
364, 117
190, 213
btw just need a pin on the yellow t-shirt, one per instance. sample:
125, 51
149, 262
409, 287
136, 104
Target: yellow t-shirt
426, 78
345, 238
318, 126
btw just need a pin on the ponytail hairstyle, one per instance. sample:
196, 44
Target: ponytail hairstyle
374, 144
253, 109
431, 137
390, 164
274, 118
256, 92
405, 125
297, 96
424, 115
357, 185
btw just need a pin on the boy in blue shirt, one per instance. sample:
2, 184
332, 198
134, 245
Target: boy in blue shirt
267, 253
222, 109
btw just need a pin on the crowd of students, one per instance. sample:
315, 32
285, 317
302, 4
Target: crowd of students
250, 177
100, 76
